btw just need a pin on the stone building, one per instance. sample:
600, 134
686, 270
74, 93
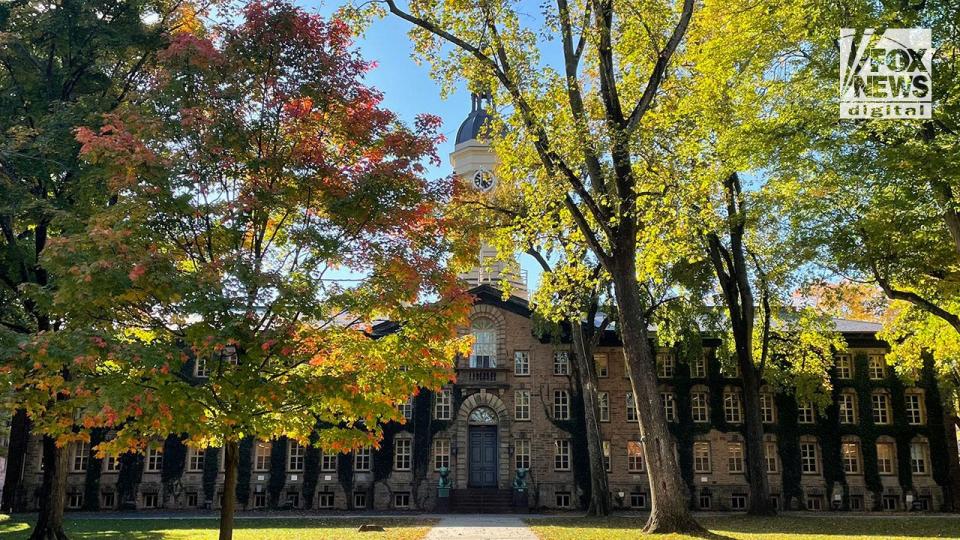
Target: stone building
881, 445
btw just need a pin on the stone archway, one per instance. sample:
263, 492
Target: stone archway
470, 403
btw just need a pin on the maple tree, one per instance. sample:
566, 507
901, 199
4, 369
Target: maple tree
267, 212
63, 64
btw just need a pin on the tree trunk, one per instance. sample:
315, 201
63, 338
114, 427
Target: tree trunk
231, 462
753, 422
19, 438
669, 512
587, 379
53, 493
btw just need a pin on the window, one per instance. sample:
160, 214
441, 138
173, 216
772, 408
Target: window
814, 503
890, 502
402, 452
844, 366
521, 454
111, 464
109, 499
406, 408
730, 368
324, 499
484, 351
732, 408
805, 413
201, 370
75, 501
885, 457
603, 365
154, 459
328, 461
701, 457
150, 500
918, 458
706, 501
603, 401
877, 367
669, 406
850, 454
808, 458
230, 355
915, 412
881, 408
856, 503
521, 363
698, 407
521, 402
634, 457
605, 446
441, 453
81, 456
638, 500
735, 457
631, 408
195, 460
738, 502
259, 500
561, 363
443, 405
563, 499
561, 405
401, 499
847, 405
666, 365
361, 459
262, 461
767, 409
770, 456
359, 499
295, 456
293, 499
698, 368
561, 457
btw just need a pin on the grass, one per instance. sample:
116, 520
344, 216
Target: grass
743, 527
16, 527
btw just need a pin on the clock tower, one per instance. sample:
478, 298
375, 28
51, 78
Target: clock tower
475, 164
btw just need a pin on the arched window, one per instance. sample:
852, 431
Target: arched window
484, 353
483, 416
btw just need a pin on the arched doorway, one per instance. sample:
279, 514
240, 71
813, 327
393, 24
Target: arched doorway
482, 448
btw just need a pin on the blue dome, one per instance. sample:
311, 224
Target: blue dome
475, 122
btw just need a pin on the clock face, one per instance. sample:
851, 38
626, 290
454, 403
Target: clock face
483, 180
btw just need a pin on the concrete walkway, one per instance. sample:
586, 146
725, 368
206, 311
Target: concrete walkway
481, 527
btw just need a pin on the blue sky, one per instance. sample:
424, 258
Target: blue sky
408, 89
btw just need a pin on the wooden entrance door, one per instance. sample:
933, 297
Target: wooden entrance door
483, 456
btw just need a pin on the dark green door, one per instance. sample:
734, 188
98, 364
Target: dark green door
483, 456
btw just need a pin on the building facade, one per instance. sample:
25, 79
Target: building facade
881, 445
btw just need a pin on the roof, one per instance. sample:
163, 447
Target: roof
473, 125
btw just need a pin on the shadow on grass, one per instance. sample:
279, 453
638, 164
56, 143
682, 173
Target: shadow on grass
18, 527
775, 528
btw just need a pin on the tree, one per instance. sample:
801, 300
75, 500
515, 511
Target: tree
63, 63
602, 134
878, 198
267, 212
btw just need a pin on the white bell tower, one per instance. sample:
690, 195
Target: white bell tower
475, 164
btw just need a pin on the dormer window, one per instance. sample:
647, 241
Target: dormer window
484, 353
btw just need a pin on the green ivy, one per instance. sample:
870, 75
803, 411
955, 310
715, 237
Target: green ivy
345, 476
174, 459
131, 471
211, 469
244, 467
311, 471
278, 470
91, 487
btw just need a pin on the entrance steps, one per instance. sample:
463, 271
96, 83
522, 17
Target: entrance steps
481, 501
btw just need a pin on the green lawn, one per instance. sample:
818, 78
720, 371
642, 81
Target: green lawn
833, 527
247, 529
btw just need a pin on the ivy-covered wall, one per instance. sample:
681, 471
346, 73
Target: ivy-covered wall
278, 470
91, 487
244, 467
211, 468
